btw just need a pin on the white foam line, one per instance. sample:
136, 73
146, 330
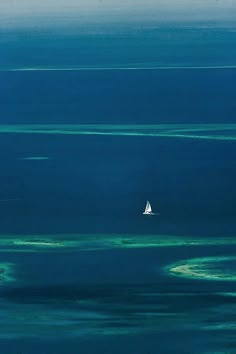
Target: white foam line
122, 68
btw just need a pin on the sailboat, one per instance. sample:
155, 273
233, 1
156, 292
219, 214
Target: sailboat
148, 209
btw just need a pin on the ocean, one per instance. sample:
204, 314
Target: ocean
95, 122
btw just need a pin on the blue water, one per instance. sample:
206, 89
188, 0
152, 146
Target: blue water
182, 96
99, 185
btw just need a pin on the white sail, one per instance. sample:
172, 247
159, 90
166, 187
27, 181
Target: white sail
148, 209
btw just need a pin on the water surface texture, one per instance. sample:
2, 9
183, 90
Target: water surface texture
99, 115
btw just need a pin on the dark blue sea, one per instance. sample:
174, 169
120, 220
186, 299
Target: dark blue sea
93, 123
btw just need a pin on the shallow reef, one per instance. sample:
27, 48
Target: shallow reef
209, 268
190, 131
90, 242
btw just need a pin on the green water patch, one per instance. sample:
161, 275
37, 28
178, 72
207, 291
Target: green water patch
6, 273
190, 131
99, 312
205, 268
106, 310
96, 242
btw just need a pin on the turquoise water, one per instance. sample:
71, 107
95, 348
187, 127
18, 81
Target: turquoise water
81, 269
